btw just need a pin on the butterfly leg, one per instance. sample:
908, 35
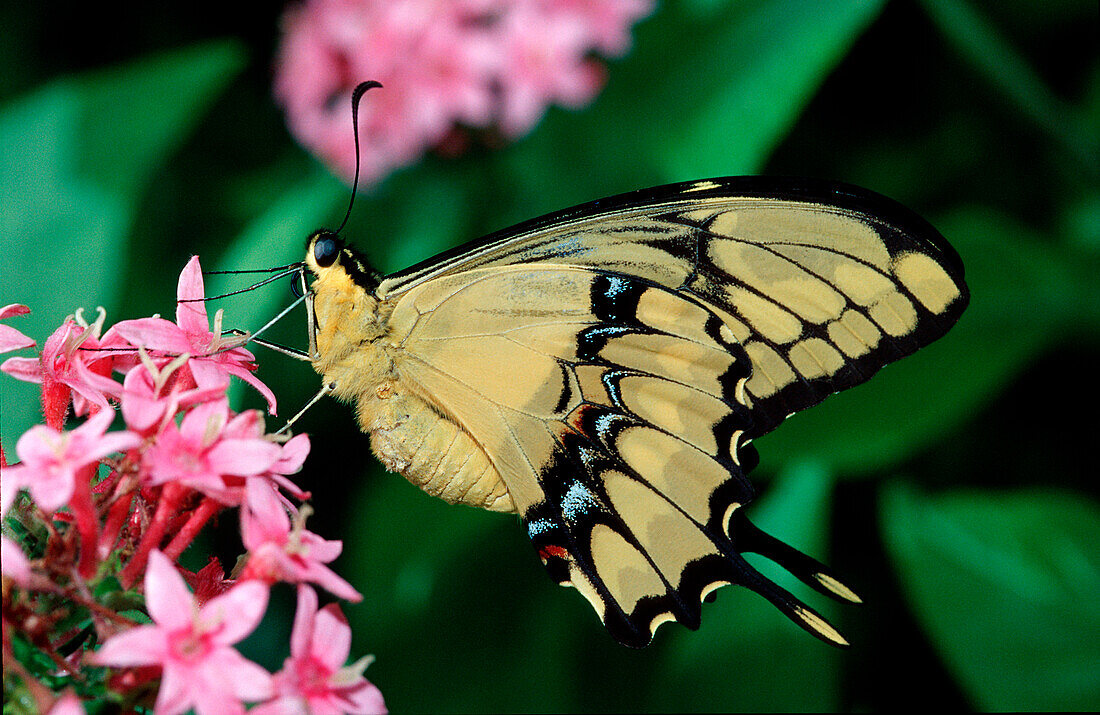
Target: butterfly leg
311, 317
325, 389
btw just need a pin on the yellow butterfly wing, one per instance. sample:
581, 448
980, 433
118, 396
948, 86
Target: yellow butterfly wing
821, 283
610, 363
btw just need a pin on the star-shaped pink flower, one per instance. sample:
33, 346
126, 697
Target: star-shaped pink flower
278, 551
314, 678
193, 644
207, 448
70, 360
50, 459
212, 357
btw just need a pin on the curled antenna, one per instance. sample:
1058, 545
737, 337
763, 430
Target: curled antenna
356, 95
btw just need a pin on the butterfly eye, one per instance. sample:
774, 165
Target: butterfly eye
325, 250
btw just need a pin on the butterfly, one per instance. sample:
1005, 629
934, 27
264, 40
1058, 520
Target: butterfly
603, 370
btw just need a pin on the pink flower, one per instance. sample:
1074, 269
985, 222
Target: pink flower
10, 338
50, 459
212, 356
278, 552
545, 62
314, 678
152, 395
70, 360
67, 704
193, 644
444, 63
14, 563
208, 450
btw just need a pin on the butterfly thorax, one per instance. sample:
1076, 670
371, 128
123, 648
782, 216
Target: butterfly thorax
357, 355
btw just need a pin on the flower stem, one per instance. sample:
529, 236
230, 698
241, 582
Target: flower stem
170, 498
198, 518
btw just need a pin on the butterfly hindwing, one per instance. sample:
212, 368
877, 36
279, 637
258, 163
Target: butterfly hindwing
626, 450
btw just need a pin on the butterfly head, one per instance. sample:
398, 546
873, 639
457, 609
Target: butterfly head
328, 256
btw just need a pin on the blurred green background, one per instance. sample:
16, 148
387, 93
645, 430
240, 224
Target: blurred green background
956, 492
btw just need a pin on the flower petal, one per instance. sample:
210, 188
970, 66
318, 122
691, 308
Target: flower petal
331, 637
301, 636
154, 334
167, 599
141, 645
191, 315
237, 612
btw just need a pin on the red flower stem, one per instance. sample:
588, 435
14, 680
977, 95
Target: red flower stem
87, 524
170, 499
116, 518
206, 509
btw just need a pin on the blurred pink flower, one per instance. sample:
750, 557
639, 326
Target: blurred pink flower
67, 704
10, 338
50, 459
193, 644
212, 357
444, 63
14, 563
208, 449
280, 551
314, 678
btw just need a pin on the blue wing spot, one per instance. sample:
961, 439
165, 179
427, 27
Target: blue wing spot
577, 502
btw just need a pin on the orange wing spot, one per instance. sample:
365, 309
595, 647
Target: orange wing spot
547, 551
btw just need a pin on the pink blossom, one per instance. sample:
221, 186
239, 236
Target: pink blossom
314, 678
10, 338
208, 449
50, 459
212, 356
152, 395
14, 563
279, 552
545, 61
67, 704
444, 63
193, 644
70, 360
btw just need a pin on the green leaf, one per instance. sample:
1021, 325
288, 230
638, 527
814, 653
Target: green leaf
747, 656
1023, 296
995, 59
706, 92
1006, 585
750, 78
77, 154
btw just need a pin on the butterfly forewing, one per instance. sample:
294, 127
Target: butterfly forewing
821, 284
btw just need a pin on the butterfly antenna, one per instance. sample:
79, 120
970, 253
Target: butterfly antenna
356, 95
290, 269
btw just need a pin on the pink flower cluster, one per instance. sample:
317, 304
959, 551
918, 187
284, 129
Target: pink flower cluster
123, 504
445, 64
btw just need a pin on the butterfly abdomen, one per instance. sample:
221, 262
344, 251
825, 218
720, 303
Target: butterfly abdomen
431, 450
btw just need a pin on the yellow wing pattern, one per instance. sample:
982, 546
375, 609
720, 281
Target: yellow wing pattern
613, 361
821, 284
